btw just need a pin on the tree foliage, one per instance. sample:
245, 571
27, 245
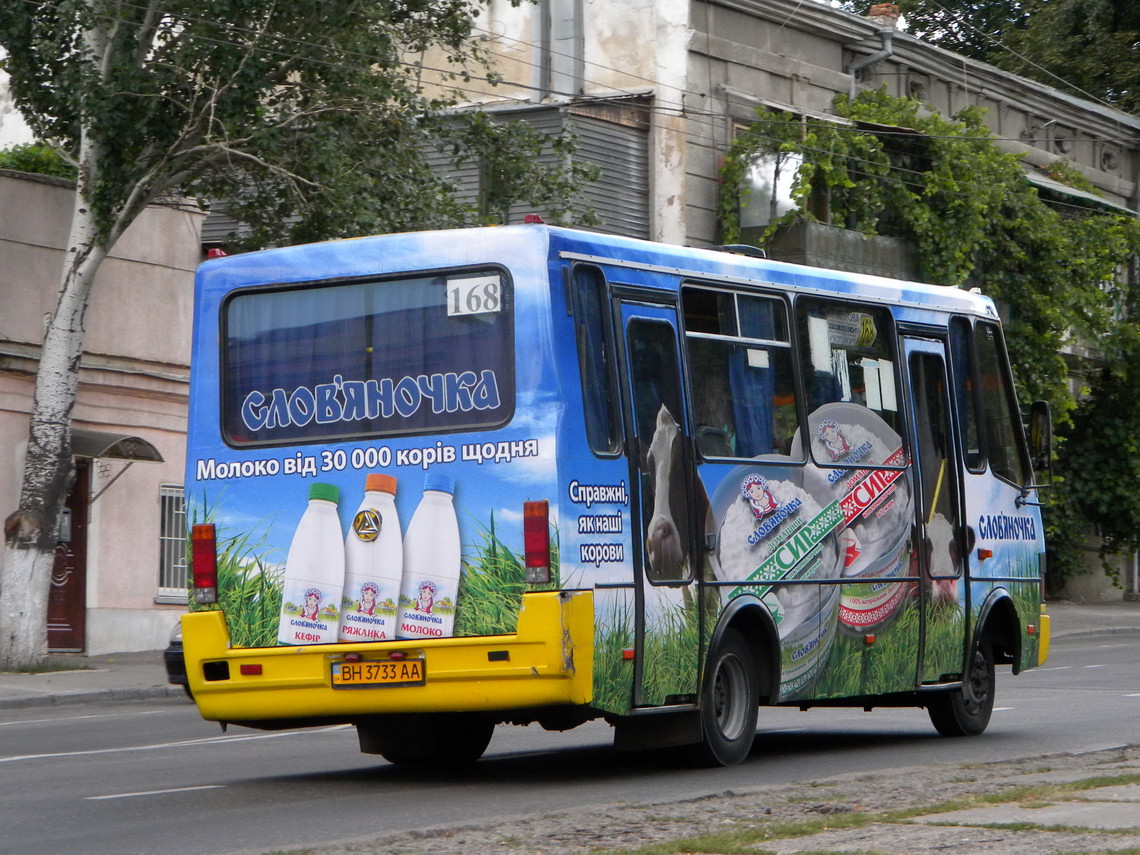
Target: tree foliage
1085, 47
36, 158
973, 28
313, 115
976, 221
1102, 450
318, 117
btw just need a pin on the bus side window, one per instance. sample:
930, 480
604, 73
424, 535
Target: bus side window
999, 408
847, 357
595, 359
965, 392
740, 363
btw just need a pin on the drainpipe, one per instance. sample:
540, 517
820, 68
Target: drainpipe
886, 15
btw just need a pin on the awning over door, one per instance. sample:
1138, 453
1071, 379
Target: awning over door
112, 446
1057, 188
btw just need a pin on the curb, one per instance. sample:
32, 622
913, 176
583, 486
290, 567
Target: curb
1106, 630
70, 698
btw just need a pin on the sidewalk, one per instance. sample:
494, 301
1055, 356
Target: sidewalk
130, 676
114, 677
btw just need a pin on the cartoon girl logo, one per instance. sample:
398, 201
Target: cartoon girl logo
368, 593
833, 439
755, 491
312, 604
426, 600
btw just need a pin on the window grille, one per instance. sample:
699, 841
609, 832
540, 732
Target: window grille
172, 571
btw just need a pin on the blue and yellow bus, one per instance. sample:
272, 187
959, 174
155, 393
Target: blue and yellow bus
688, 483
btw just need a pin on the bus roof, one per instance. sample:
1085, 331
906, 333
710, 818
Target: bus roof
396, 253
729, 268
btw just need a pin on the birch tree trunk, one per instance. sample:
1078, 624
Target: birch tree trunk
30, 532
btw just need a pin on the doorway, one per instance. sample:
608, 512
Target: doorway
67, 601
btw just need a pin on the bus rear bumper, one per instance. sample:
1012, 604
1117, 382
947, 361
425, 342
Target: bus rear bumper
548, 661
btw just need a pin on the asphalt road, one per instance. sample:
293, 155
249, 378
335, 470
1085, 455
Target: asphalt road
154, 778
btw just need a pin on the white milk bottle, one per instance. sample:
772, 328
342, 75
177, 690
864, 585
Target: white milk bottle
314, 573
431, 564
373, 565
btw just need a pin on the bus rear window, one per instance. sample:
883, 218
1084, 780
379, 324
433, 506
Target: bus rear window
377, 358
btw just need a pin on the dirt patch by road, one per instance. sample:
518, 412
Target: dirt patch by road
857, 813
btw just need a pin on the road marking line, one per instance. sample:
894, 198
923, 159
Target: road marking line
190, 743
1095, 666
154, 792
77, 718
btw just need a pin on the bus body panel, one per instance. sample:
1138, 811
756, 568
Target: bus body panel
547, 662
799, 545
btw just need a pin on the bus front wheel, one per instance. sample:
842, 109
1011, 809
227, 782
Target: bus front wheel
966, 711
729, 701
439, 740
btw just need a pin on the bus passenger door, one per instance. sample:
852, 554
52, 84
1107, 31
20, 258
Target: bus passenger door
941, 540
661, 473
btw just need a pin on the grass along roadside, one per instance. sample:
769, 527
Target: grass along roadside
751, 835
850, 812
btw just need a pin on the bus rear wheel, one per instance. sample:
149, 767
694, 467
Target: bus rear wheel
442, 741
966, 711
729, 701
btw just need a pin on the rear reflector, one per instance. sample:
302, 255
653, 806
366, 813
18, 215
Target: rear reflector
536, 541
250, 669
204, 561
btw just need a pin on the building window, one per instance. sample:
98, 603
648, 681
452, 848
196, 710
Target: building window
172, 571
766, 194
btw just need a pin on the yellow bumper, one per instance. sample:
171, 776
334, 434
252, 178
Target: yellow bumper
1043, 630
547, 662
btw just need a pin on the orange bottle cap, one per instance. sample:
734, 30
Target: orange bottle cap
377, 482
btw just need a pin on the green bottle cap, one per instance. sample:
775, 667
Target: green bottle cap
325, 492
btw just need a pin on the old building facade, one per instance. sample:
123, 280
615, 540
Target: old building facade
119, 580
687, 74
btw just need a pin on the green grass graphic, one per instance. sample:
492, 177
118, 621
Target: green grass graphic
249, 586
492, 583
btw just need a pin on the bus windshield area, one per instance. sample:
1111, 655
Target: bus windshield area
375, 358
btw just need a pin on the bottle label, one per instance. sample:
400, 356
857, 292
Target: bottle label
309, 613
370, 617
427, 610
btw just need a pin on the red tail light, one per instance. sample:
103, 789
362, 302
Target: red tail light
204, 563
536, 541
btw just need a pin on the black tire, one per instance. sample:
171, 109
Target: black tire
441, 741
966, 711
729, 700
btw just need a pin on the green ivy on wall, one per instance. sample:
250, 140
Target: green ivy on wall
36, 158
895, 168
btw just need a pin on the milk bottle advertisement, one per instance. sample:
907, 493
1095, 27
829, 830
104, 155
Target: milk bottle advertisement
364, 555
362, 449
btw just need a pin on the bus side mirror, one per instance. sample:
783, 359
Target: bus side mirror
1041, 439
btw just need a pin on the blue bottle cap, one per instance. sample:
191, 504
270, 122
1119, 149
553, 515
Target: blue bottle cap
439, 482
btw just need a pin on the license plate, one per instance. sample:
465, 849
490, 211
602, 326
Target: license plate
366, 675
